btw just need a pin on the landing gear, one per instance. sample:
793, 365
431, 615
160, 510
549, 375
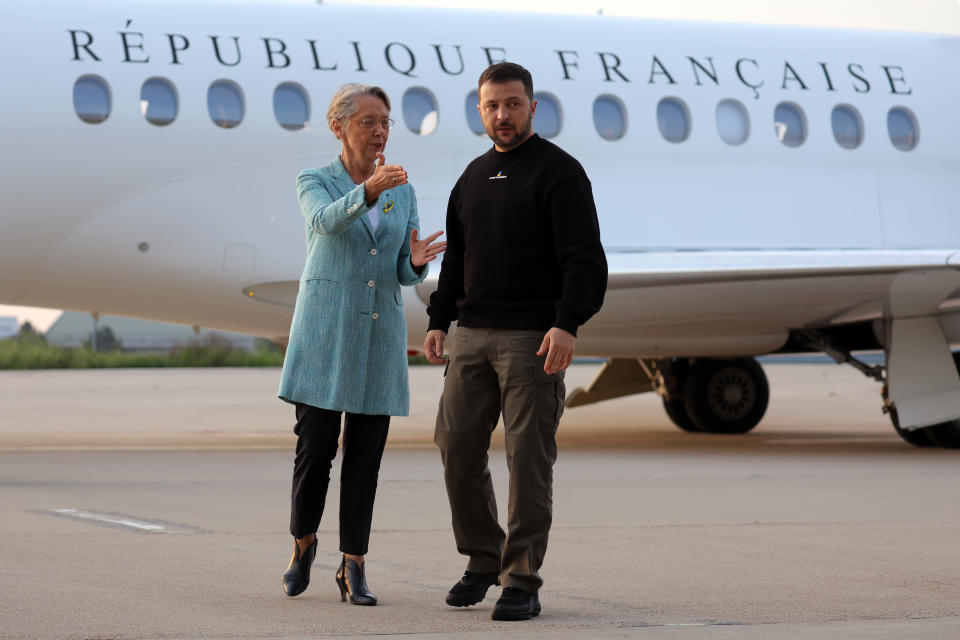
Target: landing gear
944, 434
715, 396
677, 412
671, 375
916, 437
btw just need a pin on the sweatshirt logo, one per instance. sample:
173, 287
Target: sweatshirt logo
499, 176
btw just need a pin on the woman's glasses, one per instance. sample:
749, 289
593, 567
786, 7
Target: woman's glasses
369, 123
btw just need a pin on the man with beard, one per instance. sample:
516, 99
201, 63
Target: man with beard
523, 269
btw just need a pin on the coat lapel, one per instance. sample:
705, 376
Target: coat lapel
344, 184
387, 201
365, 220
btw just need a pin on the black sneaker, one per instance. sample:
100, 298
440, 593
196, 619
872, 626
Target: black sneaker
471, 589
516, 604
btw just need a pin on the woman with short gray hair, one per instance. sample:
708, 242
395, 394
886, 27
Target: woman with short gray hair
348, 339
343, 104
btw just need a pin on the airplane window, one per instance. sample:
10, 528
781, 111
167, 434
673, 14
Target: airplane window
91, 99
673, 119
903, 129
733, 122
548, 119
473, 116
158, 101
291, 106
790, 124
225, 104
420, 111
847, 126
609, 117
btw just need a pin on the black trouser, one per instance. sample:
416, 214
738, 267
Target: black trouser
364, 437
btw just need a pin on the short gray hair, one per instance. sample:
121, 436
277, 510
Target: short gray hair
344, 101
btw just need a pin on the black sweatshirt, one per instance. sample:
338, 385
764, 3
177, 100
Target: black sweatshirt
523, 244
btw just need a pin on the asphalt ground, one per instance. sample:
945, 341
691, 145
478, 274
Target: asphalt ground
154, 504
226, 408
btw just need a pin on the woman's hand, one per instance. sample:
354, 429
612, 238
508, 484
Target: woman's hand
385, 176
422, 252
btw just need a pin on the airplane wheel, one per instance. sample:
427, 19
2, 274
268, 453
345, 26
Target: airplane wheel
916, 437
945, 434
677, 413
726, 396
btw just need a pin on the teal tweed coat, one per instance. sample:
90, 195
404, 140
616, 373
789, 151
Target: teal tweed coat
348, 339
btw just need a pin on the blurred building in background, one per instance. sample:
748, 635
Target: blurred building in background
74, 329
8, 327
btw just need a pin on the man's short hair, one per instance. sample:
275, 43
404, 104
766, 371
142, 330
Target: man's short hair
505, 72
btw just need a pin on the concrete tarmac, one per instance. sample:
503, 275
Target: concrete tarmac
226, 408
153, 504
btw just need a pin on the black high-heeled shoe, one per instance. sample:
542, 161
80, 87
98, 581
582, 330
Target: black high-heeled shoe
352, 581
297, 577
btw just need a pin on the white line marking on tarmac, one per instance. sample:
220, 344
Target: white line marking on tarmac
853, 440
123, 521
86, 515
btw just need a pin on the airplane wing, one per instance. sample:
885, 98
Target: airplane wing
733, 303
629, 269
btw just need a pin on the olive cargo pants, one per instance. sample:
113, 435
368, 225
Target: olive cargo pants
493, 371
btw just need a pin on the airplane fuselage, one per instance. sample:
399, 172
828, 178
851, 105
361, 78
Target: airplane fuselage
752, 183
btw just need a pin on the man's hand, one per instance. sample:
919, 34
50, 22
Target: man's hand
559, 346
433, 346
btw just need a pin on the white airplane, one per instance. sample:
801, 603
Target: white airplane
760, 189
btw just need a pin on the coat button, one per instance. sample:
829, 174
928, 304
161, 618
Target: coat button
373, 252
371, 283
376, 316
